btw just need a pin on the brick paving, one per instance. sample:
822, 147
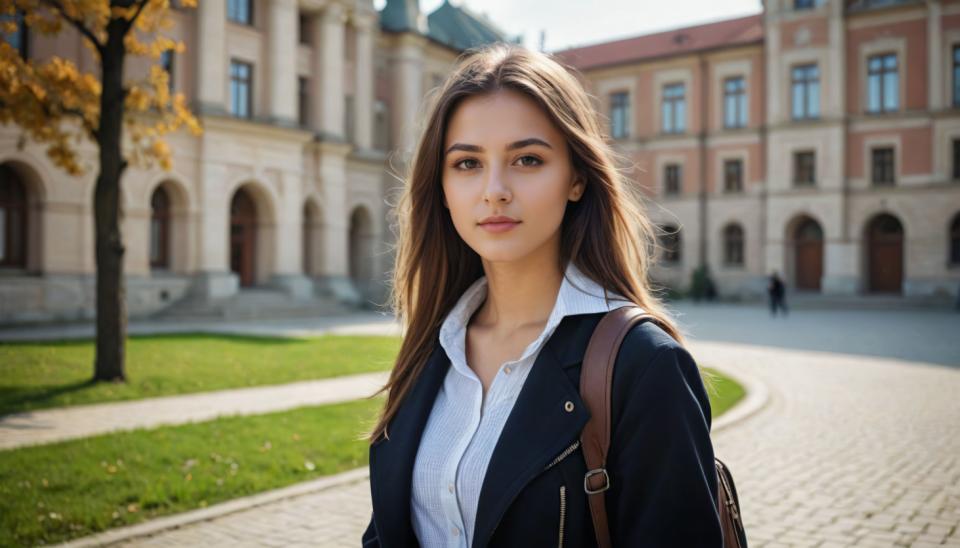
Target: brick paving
849, 451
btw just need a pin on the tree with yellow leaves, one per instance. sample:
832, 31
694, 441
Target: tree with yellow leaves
58, 105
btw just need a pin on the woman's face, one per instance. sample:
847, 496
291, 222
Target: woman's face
503, 156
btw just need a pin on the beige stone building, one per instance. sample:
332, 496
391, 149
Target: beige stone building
307, 106
820, 138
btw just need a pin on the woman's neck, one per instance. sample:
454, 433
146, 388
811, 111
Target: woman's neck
520, 294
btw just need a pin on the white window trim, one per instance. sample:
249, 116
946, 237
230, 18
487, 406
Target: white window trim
806, 56
672, 76
722, 71
882, 142
612, 85
894, 45
720, 174
661, 180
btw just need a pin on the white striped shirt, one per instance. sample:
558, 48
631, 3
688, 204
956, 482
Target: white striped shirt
464, 426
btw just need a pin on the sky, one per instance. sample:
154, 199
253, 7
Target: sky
570, 23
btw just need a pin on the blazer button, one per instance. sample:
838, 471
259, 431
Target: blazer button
568, 406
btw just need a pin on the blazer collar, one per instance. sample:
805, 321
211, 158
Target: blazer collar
539, 427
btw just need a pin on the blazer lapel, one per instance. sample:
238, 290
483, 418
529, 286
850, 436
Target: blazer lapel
540, 426
391, 461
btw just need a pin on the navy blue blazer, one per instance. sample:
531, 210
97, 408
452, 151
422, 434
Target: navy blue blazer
661, 463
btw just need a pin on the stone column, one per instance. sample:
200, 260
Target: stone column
363, 94
327, 93
211, 56
281, 61
408, 96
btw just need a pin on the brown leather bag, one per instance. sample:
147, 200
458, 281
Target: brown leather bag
595, 388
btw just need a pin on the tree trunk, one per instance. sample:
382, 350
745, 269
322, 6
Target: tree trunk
111, 287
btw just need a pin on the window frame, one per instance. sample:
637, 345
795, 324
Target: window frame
619, 104
675, 121
738, 187
879, 77
739, 119
238, 80
733, 245
234, 16
672, 186
883, 175
805, 82
799, 182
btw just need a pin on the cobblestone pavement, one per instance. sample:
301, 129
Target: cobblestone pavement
50, 425
849, 451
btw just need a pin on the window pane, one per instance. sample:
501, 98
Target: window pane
680, 119
873, 92
814, 100
666, 115
798, 101
891, 91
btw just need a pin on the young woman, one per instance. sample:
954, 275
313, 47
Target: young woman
517, 234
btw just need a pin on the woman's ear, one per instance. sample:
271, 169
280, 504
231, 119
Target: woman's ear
577, 189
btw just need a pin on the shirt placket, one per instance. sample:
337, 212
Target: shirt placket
453, 514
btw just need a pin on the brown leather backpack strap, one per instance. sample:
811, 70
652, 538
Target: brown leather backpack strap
596, 378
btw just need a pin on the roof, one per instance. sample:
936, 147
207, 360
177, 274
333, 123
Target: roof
730, 32
452, 25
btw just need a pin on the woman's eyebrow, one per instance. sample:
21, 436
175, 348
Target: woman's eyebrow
512, 146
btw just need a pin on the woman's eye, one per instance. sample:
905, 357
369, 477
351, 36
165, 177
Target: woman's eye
536, 161
461, 162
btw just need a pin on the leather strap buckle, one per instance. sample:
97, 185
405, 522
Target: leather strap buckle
595, 472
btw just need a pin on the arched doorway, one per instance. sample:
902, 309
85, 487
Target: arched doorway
808, 255
885, 254
361, 249
243, 236
13, 219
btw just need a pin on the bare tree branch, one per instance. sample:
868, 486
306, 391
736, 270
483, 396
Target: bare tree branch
76, 23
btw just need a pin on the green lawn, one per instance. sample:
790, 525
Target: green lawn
52, 493
724, 392
55, 374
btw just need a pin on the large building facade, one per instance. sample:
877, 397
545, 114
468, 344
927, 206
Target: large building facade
309, 109
820, 139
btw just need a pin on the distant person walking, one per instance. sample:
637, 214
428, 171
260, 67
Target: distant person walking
777, 291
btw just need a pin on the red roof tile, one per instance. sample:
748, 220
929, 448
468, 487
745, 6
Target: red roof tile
744, 30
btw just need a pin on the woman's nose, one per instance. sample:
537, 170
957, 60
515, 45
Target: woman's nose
495, 188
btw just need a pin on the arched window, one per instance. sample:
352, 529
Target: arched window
955, 240
13, 219
733, 245
671, 243
159, 229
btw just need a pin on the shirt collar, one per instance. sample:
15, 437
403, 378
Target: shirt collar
578, 294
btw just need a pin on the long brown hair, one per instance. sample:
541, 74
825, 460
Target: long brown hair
607, 233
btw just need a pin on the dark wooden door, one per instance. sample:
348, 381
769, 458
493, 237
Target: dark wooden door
243, 237
885, 255
808, 256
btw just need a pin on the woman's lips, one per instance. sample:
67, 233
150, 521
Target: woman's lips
498, 227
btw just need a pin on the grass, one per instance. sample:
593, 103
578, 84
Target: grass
723, 391
56, 492
56, 374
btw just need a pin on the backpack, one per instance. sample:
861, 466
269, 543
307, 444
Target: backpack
595, 380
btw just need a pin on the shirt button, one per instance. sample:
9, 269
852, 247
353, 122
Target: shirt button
450, 488
456, 532
506, 370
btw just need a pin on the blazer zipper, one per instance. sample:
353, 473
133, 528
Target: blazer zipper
563, 511
566, 452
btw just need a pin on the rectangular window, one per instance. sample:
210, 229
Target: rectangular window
166, 62
732, 176
734, 102
804, 168
805, 90
956, 159
381, 121
241, 92
883, 83
19, 38
670, 242
956, 76
673, 109
240, 11
303, 100
619, 114
804, 4
303, 29
882, 166
349, 117
671, 179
